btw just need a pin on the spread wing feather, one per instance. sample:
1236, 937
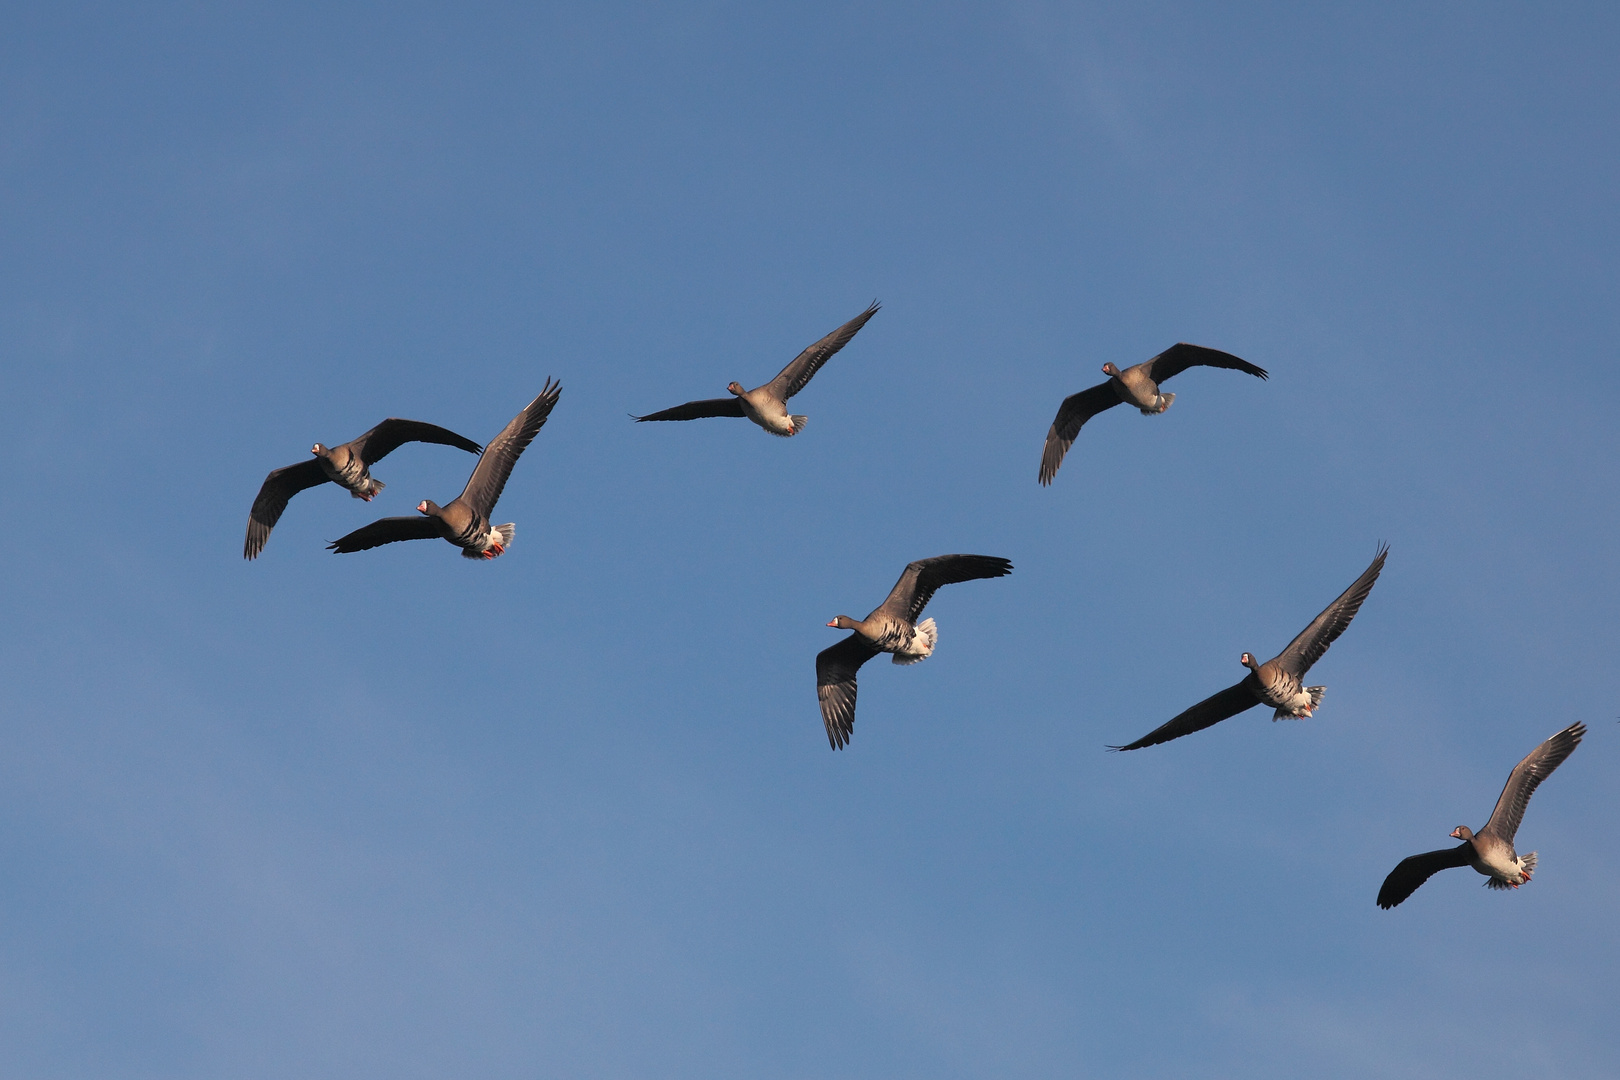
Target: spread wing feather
1313, 641
791, 379
280, 486
1414, 870
694, 410
393, 433
1207, 713
1071, 416
836, 667
387, 530
1179, 357
921, 579
488, 479
1526, 776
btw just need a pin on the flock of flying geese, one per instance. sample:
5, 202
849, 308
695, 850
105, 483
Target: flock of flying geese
893, 627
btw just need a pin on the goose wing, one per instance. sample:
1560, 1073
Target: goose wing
1071, 416
1179, 357
488, 479
280, 486
836, 666
1526, 776
1414, 870
392, 433
1207, 713
791, 379
694, 410
387, 530
1313, 641
921, 579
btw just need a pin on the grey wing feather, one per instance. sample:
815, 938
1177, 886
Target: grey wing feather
694, 410
1071, 416
387, 530
1307, 648
836, 667
1207, 713
488, 480
1179, 357
1414, 870
921, 579
393, 433
791, 379
280, 486
1526, 776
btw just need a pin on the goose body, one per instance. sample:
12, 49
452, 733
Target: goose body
1280, 681
1490, 851
346, 465
892, 628
767, 405
1137, 386
465, 521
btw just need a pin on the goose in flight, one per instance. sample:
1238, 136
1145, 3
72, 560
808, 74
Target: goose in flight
1489, 851
892, 628
1138, 386
465, 521
767, 405
346, 464
1279, 682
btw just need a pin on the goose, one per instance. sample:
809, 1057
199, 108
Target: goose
767, 405
346, 464
1489, 851
1279, 681
465, 521
1138, 386
891, 628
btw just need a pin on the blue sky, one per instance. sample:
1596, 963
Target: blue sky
572, 813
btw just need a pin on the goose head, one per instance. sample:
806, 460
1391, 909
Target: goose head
1110, 370
1248, 661
843, 622
428, 507
319, 450
736, 388
1462, 832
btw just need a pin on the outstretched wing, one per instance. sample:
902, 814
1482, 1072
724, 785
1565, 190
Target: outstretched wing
791, 379
1180, 357
836, 666
387, 531
1414, 870
922, 579
484, 488
1526, 776
1313, 641
693, 410
392, 433
1207, 713
278, 487
1071, 416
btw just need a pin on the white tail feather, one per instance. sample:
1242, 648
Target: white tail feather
1316, 693
798, 423
1527, 863
923, 639
498, 533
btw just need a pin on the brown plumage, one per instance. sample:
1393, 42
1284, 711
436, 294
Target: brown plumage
465, 521
1279, 681
767, 405
892, 627
1138, 386
1489, 851
346, 464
